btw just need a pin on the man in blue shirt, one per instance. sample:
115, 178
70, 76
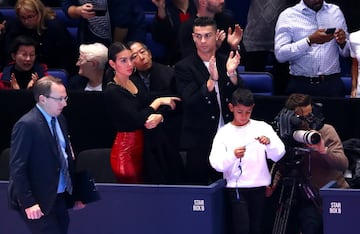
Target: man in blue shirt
301, 37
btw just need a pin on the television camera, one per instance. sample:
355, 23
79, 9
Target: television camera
294, 179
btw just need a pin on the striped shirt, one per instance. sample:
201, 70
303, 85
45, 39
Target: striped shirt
293, 27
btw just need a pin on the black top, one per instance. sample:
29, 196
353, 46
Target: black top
128, 112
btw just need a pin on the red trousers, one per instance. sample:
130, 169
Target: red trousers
126, 157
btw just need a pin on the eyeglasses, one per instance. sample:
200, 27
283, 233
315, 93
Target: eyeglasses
81, 61
60, 99
29, 17
206, 36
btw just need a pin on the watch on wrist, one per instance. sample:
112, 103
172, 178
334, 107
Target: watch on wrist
232, 74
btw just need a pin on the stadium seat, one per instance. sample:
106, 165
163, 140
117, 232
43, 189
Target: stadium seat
347, 83
59, 73
97, 162
157, 49
260, 83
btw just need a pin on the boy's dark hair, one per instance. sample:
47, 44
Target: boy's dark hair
22, 40
242, 96
204, 21
297, 100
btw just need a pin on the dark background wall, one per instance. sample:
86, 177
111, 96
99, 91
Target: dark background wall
90, 126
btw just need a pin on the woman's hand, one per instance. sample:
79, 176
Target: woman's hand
13, 82
153, 121
167, 101
34, 78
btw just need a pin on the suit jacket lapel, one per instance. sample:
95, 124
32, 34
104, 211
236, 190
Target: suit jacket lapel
47, 132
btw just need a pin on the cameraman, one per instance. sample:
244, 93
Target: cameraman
324, 162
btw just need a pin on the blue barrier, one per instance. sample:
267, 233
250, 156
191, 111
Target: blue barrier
340, 207
134, 209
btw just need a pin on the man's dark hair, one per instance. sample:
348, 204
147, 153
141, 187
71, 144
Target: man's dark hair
204, 21
43, 86
130, 43
242, 96
297, 100
22, 40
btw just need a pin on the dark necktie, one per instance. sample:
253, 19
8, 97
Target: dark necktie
64, 166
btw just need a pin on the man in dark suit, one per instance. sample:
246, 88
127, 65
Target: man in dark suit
155, 77
42, 162
158, 80
205, 81
228, 37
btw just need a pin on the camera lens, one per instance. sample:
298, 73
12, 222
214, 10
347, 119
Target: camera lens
307, 137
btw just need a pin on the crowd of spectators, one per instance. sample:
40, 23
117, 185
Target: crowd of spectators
178, 104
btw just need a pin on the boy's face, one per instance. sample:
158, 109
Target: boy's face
241, 113
24, 58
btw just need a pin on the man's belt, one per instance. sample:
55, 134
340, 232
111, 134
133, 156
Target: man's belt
316, 79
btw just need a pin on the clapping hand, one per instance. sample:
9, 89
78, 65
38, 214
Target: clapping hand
234, 37
233, 61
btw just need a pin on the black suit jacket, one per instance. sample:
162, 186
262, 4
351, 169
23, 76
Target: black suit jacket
200, 107
223, 20
34, 162
162, 82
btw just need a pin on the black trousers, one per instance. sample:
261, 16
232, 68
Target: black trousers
245, 208
56, 222
330, 87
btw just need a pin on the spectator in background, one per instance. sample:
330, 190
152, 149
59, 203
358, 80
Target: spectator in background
105, 21
50, 3
227, 38
24, 71
159, 81
205, 81
313, 54
169, 16
91, 63
354, 39
2, 33
155, 77
56, 47
258, 40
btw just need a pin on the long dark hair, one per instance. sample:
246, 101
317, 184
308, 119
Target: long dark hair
114, 49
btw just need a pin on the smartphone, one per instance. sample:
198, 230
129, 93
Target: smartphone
99, 11
330, 30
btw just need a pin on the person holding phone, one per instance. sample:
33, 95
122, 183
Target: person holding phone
106, 21
310, 36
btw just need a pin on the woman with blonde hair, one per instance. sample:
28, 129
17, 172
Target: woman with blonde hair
56, 47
